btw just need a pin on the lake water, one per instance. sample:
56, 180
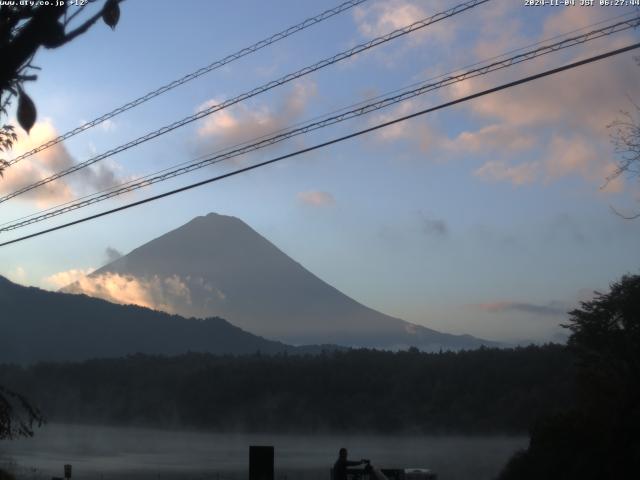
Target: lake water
114, 453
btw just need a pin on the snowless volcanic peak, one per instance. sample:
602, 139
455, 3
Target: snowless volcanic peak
217, 265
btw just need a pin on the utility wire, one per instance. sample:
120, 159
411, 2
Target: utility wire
193, 75
256, 91
342, 109
326, 121
358, 133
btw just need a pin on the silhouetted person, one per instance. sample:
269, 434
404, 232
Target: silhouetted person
340, 467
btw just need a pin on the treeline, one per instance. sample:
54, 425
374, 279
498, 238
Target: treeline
480, 391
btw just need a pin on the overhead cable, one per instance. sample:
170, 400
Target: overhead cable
358, 133
283, 135
252, 93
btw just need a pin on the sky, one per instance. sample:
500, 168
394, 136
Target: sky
491, 218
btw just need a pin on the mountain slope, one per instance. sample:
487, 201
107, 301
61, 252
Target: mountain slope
36, 325
218, 266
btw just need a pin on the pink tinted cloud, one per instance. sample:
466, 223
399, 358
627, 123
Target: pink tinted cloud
501, 171
241, 122
550, 309
47, 162
316, 198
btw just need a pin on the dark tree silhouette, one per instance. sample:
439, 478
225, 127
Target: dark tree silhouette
600, 436
606, 341
17, 415
23, 30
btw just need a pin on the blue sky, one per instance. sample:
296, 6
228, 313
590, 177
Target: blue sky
487, 218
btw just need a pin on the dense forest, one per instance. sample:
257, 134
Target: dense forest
480, 391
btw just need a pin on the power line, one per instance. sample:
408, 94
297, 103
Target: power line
363, 102
358, 133
326, 121
256, 91
342, 109
193, 75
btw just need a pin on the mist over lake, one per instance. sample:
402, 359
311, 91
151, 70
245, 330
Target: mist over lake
98, 452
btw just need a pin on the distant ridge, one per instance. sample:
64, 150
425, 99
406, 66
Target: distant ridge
217, 265
36, 325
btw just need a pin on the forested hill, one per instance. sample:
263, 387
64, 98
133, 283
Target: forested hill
485, 390
36, 325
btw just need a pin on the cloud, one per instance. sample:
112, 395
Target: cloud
108, 126
544, 132
500, 170
17, 275
588, 294
434, 226
491, 41
243, 122
111, 254
565, 97
552, 309
62, 279
551, 100
203, 285
97, 177
38, 167
574, 155
381, 17
497, 28
495, 136
565, 227
155, 292
578, 155
49, 161
561, 120
416, 131
568, 19
316, 198
396, 131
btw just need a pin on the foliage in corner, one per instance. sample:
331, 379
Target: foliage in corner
24, 28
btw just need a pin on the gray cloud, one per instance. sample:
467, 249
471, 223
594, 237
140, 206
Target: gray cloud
436, 227
551, 309
111, 254
99, 177
564, 226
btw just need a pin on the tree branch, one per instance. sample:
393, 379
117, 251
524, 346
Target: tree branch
86, 25
72, 16
626, 217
